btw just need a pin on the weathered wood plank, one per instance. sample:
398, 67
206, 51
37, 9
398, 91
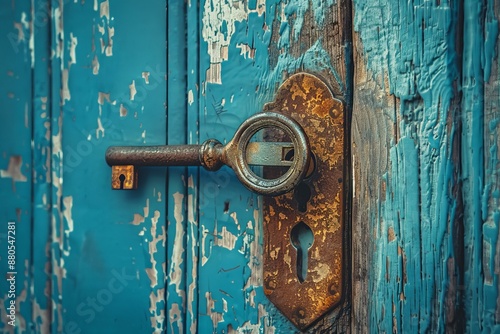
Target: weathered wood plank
109, 88
491, 197
247, 50
423, 245
479, 157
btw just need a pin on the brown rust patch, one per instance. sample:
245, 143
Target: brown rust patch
311, 103
391, 235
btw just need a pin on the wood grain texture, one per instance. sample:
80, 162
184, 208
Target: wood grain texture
424, 151
492, 175
247, 50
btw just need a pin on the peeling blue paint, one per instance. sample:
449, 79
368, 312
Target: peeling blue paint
298, 9
411, 47
479, 20
16, 160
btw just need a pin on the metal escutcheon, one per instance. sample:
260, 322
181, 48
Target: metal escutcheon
239, 154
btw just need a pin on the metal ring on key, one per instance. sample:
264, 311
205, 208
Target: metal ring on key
237, 151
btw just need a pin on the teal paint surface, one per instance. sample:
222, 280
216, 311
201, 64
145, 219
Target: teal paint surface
41, 261
93, 258
411, 53
16, 161
183, 253
176, 196
477, 64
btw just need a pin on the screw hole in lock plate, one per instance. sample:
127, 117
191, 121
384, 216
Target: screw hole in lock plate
306, 286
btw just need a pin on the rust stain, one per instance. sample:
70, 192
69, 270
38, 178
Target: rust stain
311, 103
123, 111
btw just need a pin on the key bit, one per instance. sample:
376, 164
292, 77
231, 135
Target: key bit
124, 177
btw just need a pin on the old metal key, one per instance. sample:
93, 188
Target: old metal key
238, 154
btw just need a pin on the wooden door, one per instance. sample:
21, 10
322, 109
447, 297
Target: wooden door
183, 252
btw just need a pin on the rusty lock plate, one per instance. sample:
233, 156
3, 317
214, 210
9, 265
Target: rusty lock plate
303, 252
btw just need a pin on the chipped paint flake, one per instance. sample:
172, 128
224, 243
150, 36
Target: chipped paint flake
68, 206
177, 258
132, 90
123, 110
65, 93
145, 76
215, 316
103, 97
72, 48
95, 65
104, 9
13, 171
138, 219
204, 257
99, 132
226, 239
109, 47
175, 317
219, 25
190, 97
246, 51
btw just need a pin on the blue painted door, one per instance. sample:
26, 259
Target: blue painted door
183, 252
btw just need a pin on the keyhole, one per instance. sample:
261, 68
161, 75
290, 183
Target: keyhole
122, 180
302, 238
302, 195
